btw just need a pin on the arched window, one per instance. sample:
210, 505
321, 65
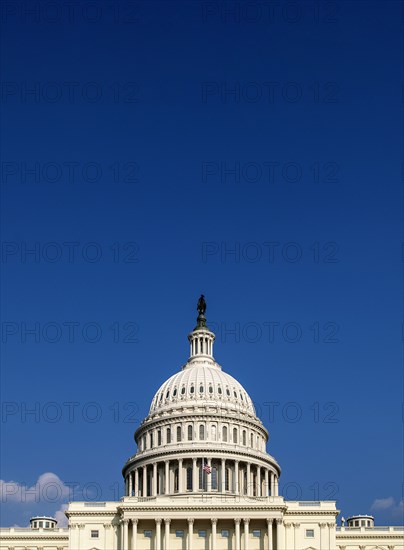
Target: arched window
214, 478
226, 479
234, 435
176, 478
224, 433
201, 432
203, 476
190, 432
252, 440
144, 442
245, 483
158, 437
192, 389
219, 390
151, 441
244, 437
168, 439
179, 434
189, 479
201, 389
183, 390
213, 432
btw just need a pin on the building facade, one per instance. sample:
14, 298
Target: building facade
202, 479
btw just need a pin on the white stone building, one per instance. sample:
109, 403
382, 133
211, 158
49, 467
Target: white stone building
201, 479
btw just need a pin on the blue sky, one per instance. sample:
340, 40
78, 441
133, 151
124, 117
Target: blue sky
251, 151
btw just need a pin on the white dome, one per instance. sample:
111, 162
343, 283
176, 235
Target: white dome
202, 382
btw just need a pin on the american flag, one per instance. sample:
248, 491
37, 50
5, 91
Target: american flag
207, 468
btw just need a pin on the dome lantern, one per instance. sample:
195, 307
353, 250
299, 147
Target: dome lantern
201, 338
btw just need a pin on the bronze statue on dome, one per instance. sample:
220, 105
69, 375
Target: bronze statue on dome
201, 307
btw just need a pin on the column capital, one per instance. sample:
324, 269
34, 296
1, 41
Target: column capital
237, 521
331, 524
167, 520
124, 521
191, 520
279, 521
81, 525
107, 525
158, 521
134, 521
214, 521
270, 520
296, 525
323, 525
246, 520
287, 525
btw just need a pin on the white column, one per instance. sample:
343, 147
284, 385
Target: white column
223, 480
137, 492
214, 523
246, 533
158, 533
167, 477
280, 534
107, 538
272, 484
73, 535
236, 476
167, 534
266, 482
331, 535
190, 532
276, 486
154, 490
237, 533
248, 479
130, 484
194, 476
144, 493
323, 540
124, 534
296, 535
269, 532
134, 534
288, 542
180, 488
258, 490
81, 527
209, 477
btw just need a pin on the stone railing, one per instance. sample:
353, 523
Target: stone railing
384, 528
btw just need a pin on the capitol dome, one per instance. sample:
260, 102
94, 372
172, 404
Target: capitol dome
201, 419
202, 381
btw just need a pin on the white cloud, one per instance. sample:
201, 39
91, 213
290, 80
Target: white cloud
60, 516
383, 503
389, 503
48, 488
